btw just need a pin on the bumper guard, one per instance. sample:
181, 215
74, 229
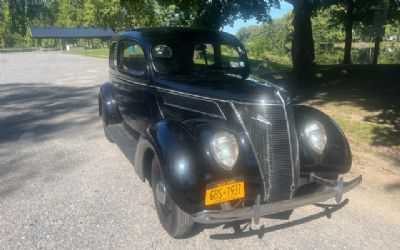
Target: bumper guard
332, 189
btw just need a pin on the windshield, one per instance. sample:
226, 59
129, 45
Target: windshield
173, 57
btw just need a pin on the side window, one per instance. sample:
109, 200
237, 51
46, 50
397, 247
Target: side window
230, 57
131, 58
203, 54
113, 55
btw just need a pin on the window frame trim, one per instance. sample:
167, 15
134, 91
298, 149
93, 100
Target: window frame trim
133, 73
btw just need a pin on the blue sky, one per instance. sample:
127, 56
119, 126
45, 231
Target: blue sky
275, 13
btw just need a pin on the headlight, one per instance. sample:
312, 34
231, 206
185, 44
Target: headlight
315, 135
225, 149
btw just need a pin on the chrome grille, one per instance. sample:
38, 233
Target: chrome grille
267, 129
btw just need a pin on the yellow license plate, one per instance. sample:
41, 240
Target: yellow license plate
225, 191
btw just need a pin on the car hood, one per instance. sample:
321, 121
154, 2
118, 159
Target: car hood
221, 87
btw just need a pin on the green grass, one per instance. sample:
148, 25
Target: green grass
364, 103
357, 128
98, 53
370, 44
362, 134
12, 50
270, 63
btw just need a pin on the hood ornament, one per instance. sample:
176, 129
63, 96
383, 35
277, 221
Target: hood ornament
260, 118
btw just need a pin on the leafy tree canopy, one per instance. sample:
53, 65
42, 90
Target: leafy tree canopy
215, 14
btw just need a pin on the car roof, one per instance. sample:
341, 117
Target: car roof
147, 35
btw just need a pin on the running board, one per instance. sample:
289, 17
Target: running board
125, 140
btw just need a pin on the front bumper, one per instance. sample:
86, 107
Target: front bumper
330, 190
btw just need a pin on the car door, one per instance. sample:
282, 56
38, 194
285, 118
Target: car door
132, 91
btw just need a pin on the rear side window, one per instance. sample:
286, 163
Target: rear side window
113, 56
230, 57
203, 54
132, 58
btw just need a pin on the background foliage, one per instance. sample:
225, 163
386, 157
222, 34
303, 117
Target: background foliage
273, 40
18, 15
270, 40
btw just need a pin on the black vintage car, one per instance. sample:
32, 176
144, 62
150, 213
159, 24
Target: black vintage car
215, 145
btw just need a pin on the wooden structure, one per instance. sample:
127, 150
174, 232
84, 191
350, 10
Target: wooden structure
61, 35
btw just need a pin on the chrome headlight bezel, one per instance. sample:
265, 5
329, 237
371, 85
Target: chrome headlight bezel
225, 157
315, 135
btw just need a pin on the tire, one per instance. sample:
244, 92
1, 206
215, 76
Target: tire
174, 220
104, 120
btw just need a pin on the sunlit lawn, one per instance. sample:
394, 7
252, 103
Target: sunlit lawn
364, 136
369, 44
12, 50
99, 53
270, 64
351, 119
364, 101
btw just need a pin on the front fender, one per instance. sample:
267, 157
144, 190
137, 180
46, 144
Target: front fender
188, 165
182, 162
336, 157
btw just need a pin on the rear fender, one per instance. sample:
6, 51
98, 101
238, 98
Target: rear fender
108, 105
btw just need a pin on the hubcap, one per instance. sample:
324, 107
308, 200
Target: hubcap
161, 192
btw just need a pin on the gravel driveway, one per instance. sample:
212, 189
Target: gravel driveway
62, 185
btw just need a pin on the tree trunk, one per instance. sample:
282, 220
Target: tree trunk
348, 26
303, 44
380, 21
377, 49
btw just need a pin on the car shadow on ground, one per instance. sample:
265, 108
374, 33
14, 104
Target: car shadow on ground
393, 187
244, 228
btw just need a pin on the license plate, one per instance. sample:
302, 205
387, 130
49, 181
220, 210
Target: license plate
225, 191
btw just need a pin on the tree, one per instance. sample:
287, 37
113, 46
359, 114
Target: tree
71, 13
349, 12
3, 22
267, 39
391, 13
243, 34
89, 9
140, 13
214, 14
22, 11
47, 16
166, 16
16, 17
303, 54
324, 31
95, 13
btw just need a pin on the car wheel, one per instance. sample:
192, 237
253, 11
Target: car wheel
174, 220
104, 120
